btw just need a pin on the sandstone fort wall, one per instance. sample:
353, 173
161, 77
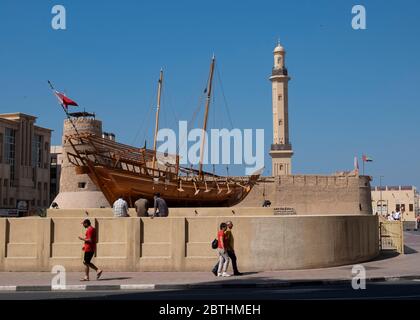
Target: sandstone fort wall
183, 243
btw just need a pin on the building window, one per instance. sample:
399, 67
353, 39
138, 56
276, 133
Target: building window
82, 185
10, 149
46, 153
37, 151
411, 207
1, 147
279, 97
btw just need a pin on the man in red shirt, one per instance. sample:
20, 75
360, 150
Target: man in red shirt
89, 248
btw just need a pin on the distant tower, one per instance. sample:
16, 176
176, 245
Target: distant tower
281, 150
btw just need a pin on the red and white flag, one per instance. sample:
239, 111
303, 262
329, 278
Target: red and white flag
65, 101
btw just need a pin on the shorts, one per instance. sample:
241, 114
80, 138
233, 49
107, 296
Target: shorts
88, 257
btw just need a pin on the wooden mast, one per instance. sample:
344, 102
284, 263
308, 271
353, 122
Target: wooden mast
206, 114
160, 83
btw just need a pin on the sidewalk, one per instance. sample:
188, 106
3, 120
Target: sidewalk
386, 267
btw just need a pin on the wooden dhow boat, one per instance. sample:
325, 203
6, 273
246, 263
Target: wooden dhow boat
122, 170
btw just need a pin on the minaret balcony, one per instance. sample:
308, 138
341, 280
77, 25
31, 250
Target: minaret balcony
280, 147
279, 72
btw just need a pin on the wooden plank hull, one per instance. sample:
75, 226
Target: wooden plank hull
132, 186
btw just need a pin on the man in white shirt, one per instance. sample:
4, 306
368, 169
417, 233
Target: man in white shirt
397, 215
120, 208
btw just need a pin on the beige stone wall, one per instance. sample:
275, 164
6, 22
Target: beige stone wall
314, 194
183, 243
304, 194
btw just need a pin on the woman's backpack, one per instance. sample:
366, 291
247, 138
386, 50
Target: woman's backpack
215, 244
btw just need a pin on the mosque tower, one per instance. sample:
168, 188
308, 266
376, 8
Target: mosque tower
281, 150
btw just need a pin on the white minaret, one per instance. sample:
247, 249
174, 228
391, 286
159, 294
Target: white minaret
281, 150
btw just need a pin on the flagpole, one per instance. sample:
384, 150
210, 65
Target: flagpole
85, 160
65, 110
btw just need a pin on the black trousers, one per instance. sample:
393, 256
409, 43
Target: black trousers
232, 257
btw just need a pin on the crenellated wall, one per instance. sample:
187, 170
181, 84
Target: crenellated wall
314, 194
262, 243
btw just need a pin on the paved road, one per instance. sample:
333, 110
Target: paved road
376, 290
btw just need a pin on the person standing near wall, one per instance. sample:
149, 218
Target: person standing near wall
89, 249
222, 252
397, 215
230, 250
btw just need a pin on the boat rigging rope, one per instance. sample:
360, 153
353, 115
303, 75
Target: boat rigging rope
146, 120
224, 96
184, 138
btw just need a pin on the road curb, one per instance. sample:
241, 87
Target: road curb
238, 285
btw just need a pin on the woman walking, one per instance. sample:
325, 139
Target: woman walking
222, 251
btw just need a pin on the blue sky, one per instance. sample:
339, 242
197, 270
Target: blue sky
351, 92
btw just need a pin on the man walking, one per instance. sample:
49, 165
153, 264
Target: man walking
142, 207
89, 249
160, 207
120, 207
230, 250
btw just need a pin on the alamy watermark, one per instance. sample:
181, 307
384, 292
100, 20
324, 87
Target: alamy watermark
221, 146
58, 282
359, 20
58, 22
358, 281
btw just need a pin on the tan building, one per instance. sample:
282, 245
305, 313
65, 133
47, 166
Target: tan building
281, 150
387, 199
24, 162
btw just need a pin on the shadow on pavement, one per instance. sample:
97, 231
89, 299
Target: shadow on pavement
385, 254
409, 250
377, 290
